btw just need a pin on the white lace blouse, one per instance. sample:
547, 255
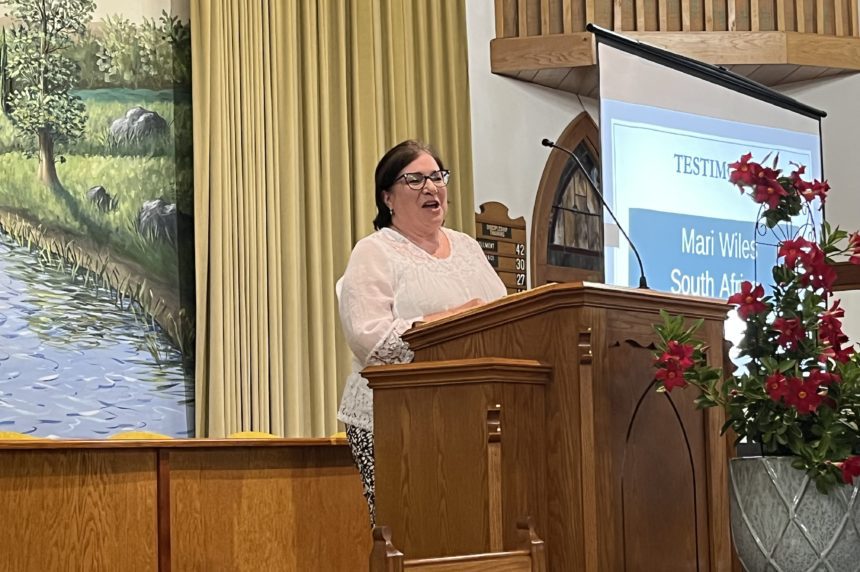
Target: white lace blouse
389, 284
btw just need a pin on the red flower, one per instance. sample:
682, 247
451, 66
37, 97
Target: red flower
802, 396
682, 353
790, 330
743, 172
830, 326
854, 245
818, 377
835, 352
794, 250
776, 386
850, 469
817, 189
769, 191
817, 272
672, 375
748, 300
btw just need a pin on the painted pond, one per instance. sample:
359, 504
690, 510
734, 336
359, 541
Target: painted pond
73, 364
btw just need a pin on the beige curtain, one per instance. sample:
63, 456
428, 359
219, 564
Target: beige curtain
294, 103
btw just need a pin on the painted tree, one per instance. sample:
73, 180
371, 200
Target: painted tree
40, 103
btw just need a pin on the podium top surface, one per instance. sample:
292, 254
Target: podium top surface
564, 295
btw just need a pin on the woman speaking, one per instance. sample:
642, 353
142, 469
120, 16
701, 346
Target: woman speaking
411, 269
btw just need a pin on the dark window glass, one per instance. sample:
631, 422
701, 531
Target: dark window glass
576, 221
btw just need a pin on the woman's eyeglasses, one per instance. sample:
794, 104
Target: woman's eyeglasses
417, 181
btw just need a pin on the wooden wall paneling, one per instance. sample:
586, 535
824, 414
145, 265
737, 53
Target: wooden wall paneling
578, 15
755, 8
640, 16
567, 16
820, 25
780, 23
618, 15
731, 15
800, 15
839, 18
86, 510
628, 15
267, 509
673, 15
603, 13
510, 17
709, 15
685, 15
557, 17
533, 17
522, 18
499, 7
855, 22
163, 510
545, 16
590, 11
652, 15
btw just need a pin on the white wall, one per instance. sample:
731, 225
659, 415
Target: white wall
509, 119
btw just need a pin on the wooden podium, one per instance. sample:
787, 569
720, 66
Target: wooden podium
616, 475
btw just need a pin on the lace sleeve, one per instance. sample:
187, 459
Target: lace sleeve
366, 304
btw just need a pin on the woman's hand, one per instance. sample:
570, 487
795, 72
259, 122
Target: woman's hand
473, 303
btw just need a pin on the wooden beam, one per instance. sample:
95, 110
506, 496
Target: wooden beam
511, 55
640, 15
732, 15
755, 20
618, 15
709, 15
817, 50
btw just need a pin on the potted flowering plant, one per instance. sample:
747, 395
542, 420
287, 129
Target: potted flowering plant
798, 395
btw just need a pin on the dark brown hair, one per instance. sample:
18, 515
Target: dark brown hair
388, 169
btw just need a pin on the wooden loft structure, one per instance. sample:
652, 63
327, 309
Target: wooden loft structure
772, 42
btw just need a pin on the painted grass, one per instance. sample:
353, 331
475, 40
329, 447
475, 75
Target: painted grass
132, 180
104, 106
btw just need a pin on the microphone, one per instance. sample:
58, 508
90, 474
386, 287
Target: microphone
643, 283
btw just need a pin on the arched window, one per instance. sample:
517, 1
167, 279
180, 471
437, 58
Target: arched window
567, 225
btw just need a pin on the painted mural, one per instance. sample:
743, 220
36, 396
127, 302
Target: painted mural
96, 235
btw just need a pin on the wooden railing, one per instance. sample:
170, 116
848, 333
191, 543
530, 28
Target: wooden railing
524, 18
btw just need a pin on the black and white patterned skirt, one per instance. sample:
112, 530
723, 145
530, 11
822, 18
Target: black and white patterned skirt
361, 444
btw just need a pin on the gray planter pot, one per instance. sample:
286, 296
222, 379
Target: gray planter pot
781, 523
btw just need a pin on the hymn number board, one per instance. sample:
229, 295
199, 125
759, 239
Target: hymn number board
504, 243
